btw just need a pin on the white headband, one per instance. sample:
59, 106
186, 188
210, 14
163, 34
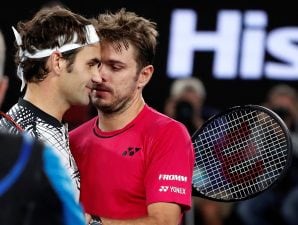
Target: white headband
91, 38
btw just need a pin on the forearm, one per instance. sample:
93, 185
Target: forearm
158, 214
139, 221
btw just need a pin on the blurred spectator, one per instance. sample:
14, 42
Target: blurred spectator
277, 205
186, 103
283, 100
34, 186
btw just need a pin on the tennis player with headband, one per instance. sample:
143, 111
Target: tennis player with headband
30, 168
58, 54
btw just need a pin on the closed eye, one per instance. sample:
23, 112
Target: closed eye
94, 62
116, 68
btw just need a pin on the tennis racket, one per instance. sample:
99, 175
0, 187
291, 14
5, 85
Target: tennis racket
10, 121
240, 153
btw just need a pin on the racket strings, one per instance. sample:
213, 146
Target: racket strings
239, 154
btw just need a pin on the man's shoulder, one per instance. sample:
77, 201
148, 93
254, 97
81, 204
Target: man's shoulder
160, 121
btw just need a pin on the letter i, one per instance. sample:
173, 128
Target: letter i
253, 44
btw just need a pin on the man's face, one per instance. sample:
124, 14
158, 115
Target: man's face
117, 84
76, 85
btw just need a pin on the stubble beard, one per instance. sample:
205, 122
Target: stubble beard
112, 108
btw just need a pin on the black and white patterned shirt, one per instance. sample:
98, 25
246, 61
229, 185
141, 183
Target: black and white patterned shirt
44, 127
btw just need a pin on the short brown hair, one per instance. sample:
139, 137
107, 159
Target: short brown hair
127, 28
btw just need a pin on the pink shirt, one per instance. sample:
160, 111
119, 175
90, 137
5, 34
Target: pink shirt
122, 172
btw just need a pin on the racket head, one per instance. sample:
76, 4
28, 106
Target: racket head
239, 153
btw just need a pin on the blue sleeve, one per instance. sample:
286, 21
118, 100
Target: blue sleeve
61, 182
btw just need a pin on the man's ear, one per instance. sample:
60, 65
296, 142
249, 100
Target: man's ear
145, 75
56, 61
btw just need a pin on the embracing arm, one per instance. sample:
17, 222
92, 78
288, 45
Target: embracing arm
158, 214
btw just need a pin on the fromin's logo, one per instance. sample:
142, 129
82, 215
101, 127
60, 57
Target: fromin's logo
130, 151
